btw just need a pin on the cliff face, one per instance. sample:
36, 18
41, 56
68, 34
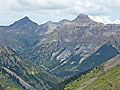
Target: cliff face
60, 47
63, 50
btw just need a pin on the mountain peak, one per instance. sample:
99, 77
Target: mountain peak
64, 20
21, 22
82, 18
25, 19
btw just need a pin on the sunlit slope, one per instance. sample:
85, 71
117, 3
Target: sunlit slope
103, 77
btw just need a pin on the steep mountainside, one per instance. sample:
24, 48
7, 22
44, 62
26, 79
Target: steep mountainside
103, 77
20, 35
63, 47
24, 25
19, 74
71, 43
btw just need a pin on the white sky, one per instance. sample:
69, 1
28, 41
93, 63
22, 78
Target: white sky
106, 11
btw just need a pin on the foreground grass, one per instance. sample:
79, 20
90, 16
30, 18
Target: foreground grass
109, 80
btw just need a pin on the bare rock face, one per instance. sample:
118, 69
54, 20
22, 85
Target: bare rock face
24, 25
61, 47
82, 18
72, 43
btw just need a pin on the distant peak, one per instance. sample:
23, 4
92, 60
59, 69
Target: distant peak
64, 20
26, 18
82, 18
23, 21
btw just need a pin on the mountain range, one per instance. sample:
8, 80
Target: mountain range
59, 49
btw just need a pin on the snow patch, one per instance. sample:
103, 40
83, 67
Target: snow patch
97, 54
81, 60
64, 62
65, 54
115, 48
72, 62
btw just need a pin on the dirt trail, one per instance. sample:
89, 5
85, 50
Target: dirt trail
86, 83
112, 63
107, 65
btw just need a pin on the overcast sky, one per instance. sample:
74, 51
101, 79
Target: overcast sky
40, 11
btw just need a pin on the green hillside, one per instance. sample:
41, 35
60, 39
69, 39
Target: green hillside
103, 77
19, 74
7, 83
